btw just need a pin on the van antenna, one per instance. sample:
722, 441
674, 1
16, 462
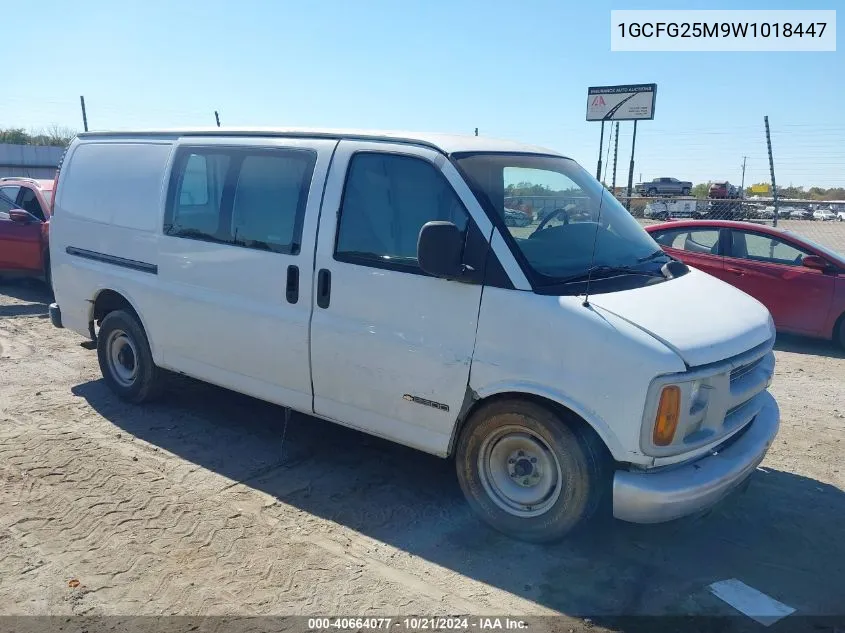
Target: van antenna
586, 303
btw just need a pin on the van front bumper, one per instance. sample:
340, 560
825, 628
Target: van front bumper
676, 491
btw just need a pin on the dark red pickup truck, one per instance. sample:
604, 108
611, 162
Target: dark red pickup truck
25, 210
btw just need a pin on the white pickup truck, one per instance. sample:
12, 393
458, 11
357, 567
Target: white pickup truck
371, 279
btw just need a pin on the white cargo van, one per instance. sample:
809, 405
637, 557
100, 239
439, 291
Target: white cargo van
371, 279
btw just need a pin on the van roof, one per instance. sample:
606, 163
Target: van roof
445, 143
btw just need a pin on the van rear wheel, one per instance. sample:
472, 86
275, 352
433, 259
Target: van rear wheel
125, 358
528, 472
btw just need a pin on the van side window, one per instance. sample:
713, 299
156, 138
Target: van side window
199, 195
387, 199
253, 198
270, 200
194, 190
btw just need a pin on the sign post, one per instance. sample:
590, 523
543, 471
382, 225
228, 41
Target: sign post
632, 102
631, 167
601, 147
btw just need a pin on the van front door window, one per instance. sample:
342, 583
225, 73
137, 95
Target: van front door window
388, 198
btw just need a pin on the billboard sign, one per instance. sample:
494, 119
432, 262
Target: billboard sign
621, 103
761, 188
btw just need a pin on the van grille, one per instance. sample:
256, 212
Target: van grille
738, 372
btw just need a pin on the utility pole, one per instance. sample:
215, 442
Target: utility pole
217, 118
772, 169
742, 186
615, 156
84, 114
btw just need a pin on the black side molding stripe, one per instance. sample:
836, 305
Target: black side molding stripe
133, 264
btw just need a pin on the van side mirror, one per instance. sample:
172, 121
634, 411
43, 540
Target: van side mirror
20, 216
440, 249
815, 262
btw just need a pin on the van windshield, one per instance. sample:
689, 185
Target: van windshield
558, 215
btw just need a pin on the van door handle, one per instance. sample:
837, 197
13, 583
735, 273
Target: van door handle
292, 286
324, 288
736, 271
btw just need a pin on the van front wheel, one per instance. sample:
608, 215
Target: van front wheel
125, 358
528, 472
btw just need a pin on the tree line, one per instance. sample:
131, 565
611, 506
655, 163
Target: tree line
792, 193
700, 190
53, 135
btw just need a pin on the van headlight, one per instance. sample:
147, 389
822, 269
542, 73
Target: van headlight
695, 394
677, 409
668, 414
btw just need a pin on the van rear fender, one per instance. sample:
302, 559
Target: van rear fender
108, 300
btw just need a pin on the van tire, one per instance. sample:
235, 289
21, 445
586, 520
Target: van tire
491, 463
126, 362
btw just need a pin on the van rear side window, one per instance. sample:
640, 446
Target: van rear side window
253, 198
200, 196
194, 190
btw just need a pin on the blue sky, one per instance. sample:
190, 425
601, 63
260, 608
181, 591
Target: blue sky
516, 70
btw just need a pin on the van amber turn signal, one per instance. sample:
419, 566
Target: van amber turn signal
667, 416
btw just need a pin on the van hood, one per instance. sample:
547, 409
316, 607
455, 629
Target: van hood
699, 317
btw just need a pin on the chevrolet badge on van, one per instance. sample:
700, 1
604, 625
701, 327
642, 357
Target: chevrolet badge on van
371, 279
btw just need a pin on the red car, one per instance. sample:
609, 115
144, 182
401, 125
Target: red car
801, 283
722, 189
25, 209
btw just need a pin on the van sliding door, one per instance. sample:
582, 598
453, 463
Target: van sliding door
236, 262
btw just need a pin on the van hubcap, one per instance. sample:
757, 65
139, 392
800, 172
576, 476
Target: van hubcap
519, 471
122, 358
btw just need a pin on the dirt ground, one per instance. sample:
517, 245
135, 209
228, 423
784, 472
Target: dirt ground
204, 504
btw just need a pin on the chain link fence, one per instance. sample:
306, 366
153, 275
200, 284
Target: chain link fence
820, 221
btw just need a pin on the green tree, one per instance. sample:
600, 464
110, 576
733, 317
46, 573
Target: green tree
15, 136
790, 192
700, 190
54, 135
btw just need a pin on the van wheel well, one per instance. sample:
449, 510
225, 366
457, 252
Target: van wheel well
566, 415
109, 301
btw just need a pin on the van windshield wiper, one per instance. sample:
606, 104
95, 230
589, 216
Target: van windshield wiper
654, 255
604, 272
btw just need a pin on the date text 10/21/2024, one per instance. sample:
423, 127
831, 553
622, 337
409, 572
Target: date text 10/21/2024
417, 624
